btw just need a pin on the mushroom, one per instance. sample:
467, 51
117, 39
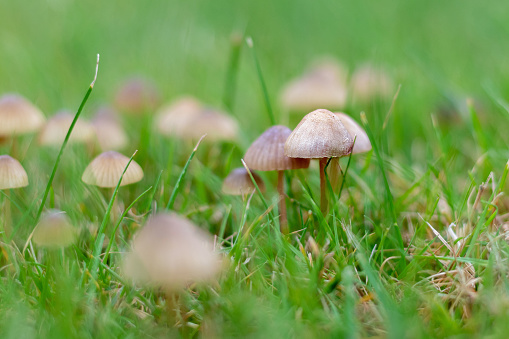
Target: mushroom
267, 154
324, 85
173, 119
217, 125
55, 130
238, 182
369, 82
137, 96
320, 135
18, 115
109, 131
107, 168
54, 230
12, 175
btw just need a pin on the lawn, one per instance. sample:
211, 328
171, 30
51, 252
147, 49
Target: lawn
413, 243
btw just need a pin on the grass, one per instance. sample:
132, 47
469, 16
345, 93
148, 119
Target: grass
415, 247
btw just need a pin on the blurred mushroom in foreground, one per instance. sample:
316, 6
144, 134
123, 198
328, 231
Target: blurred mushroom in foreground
323, 85
267, 154
54, 230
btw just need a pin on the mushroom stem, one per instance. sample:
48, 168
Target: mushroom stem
7, 228
323, 188
283, 220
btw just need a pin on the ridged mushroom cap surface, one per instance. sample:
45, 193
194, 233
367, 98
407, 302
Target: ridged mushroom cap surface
320, 134
362, 143
18, 116
55, 130
174, 119
54, 230
12, 174
109, 131
238, 182
267, 152
106, 169
171, 252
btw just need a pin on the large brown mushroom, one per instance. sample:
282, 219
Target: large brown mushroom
267, 154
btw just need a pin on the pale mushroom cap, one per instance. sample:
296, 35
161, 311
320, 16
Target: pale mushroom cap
171, 252
55, 130
174, 119
12, 174
18, 116
369, 82
105, 170
320, 134
217, 125
362, 143
54, 230
137, 96
238, 182
324, 85
267, 152
109, 131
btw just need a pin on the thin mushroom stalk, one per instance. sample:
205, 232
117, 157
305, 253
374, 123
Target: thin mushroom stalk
283, 219
324, 204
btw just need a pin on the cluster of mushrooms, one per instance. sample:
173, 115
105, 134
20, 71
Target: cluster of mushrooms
165, 237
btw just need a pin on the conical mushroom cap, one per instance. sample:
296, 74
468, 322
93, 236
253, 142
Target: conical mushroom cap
320, 134
217, 125
12, 174
53, 133
137, 96
322, 86
267, 152
362, 143
54, 230
174, 119
238, 182
172, 252
18, 116
109, 131
105, 170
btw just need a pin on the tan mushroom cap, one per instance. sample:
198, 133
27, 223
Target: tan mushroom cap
171, 252
324, 85
12, 174
369, 82
320, 134
108, 129
18, 116
267, 152
173, 119
106, 169
238, 182
54, 230
362, 143
55, 130
137, 96
217, 125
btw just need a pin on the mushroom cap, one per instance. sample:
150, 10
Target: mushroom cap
137, 96
108, 129
323, 85
362, 143
369, 82
54, 230
238, 182
267, 152
106, 169
12, 174
171, 252
18, 115
217, 125
173, 119
320, 134
53, 133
